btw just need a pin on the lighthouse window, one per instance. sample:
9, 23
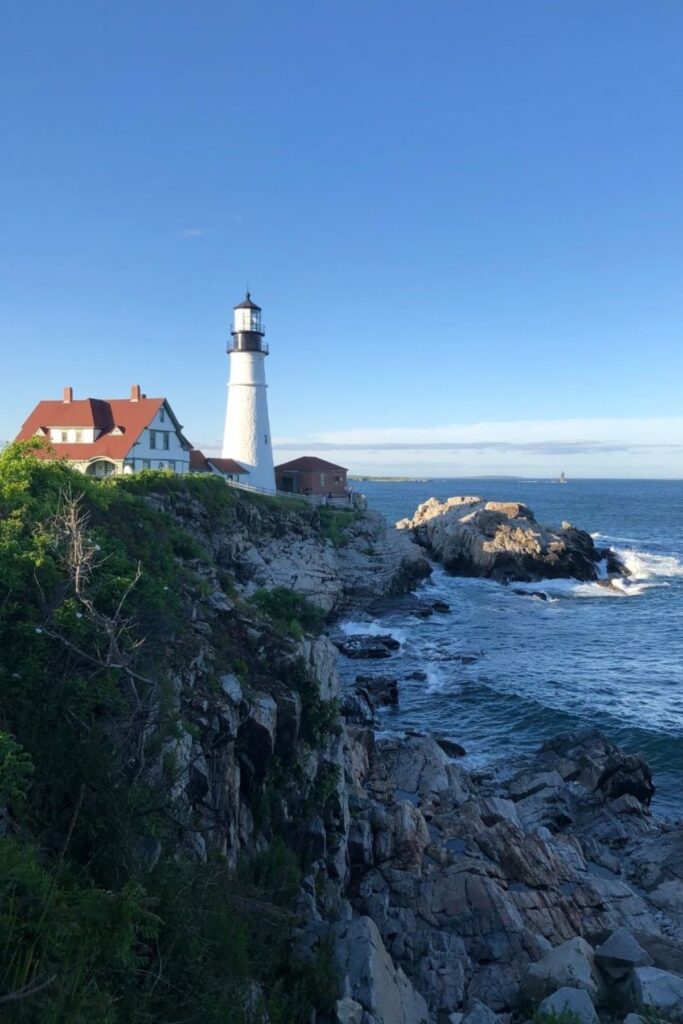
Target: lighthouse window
265, 438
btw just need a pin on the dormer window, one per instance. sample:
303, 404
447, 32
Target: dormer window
117, 431
79, 436
64, 436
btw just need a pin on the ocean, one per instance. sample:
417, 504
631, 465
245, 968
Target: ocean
506, 671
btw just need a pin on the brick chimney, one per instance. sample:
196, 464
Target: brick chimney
68, 395
135, 393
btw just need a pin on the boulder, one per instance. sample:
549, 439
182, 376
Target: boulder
381, 691
661, 990
367, 645
569, 965
501, 541
565, 1001
620, 953
478, 1013
626, 774
450, 747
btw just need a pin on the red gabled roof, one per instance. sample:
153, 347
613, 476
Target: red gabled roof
103, 414
198, 463
227, 466
201, 463
310, 464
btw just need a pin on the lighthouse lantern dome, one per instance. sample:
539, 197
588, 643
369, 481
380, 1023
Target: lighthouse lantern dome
247, 317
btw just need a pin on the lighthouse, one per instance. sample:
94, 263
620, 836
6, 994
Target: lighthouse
247, 430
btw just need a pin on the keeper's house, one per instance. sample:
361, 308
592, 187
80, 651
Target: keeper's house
310, 475
107, 436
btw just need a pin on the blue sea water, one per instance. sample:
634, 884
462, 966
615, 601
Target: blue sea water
585, 657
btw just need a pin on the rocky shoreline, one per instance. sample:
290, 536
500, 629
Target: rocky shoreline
441, 895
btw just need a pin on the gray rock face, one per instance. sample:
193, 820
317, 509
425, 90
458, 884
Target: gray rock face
370, 977
474, 900
574, 1001
502, 541
659, 989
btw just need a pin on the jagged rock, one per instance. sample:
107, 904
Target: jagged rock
356, 707
231, 687
288, 721
620, 953
348, 1011
574, 1001
382, 691
360, 843
450, 747
410, 835
502, 541
659, 989
419, 675
570, 965
627, 774
634, 1018
370, 977
479, 1014
256, 737
441, 606
220, 602
367, 646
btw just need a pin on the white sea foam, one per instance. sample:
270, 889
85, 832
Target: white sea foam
435, 679
356, 627
568, 588
643, 565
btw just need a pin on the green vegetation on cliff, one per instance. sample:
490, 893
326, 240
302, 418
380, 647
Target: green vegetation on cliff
104, 918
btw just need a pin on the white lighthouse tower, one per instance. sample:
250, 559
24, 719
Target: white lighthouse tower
247, 430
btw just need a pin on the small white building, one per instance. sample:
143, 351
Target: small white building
247, 438
107, 436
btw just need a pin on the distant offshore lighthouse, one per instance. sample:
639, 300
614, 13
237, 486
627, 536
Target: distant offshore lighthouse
247, 429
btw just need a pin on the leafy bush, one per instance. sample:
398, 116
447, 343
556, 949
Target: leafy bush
92, 628
292, 613
334, 524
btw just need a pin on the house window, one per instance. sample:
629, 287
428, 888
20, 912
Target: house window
152, 439
171, 465
337, 479
65, 436
165, 436
146, 464
79, 436
322, 479
162, 415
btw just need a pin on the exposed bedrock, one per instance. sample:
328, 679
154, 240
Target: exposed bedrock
477, 895
503, 541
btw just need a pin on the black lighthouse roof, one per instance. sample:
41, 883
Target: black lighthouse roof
246, 303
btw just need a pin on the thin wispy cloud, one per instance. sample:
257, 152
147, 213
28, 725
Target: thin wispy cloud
626, 446
194, 232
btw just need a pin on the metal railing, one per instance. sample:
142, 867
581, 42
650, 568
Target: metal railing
260, 346
337, 501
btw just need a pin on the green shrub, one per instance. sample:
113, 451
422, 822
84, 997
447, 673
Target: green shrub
334, 523
89, 933
292, 614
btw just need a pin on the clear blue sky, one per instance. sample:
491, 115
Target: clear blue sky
451, 211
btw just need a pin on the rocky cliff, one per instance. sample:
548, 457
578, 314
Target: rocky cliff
191, 830
503, 541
